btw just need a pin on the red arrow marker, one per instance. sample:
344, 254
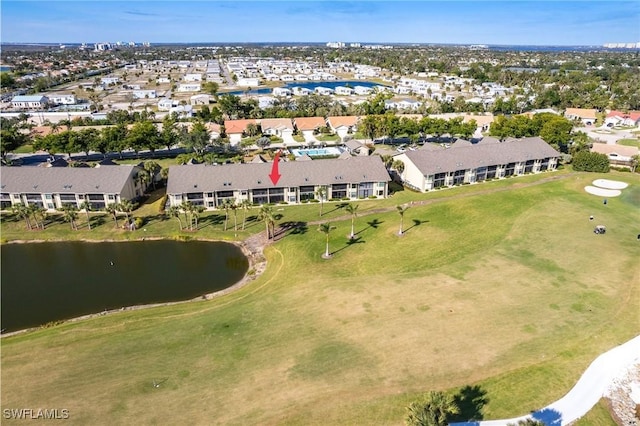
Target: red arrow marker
275, 176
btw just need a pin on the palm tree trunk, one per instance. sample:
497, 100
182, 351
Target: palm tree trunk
401, 223
352, 225
226, 219
326, 252
88, 220
244, 218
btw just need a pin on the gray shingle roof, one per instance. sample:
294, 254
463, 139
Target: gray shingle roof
481, 155
61, 180
203, 178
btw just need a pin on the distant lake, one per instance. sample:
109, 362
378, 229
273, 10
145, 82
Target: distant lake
44, 282
311, 85
4, 68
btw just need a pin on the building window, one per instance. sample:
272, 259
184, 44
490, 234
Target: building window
438, 180
365, 189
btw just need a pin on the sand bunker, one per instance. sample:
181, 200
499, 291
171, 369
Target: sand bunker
601, 192
609, 184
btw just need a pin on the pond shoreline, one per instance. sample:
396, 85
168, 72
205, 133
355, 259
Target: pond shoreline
252, 248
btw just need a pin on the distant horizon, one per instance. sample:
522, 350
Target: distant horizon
322, 43
504, 23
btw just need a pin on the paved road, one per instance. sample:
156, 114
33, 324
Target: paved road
585, 394
610, 138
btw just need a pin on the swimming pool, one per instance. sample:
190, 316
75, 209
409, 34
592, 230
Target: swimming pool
317, 152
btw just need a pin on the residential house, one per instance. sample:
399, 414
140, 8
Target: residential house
309, 126
235, 129
343, 125
189, 87
362, 90
248, 82
344, 90
266, 101
281, 91
209, 186
30, 101
53, 187
192, 77
182, 111
145, 94
586, 116
281, 127
108, 81
166, 104
428, 169
62, 99
323, 90
355, 147
200, 99
619, 118
301, 91
619, 155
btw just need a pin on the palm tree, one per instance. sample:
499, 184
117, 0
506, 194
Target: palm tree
398, 166
226, 205
245, 205
126, 207
434, 410
174, 211
152, 168
353, 211
196, 212
266, 214
86, 206
39, 215
326, 228
70, 214
401, 210
22, 212
113, 209
234, 207
33, 210
143, 179
187, 209
321, 193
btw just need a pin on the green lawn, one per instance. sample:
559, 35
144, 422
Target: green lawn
501, 285
629, 142
328, 138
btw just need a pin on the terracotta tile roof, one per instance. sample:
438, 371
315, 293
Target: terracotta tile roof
603, 148
633, 115
238, 126
276, 123
343, 121
309, 123
580, 112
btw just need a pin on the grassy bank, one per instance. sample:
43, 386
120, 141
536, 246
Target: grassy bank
502, 285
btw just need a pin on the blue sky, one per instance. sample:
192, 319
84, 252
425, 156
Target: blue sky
469, 22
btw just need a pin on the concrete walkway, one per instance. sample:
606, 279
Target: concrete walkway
585, 394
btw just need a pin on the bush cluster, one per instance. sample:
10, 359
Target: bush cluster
585, 161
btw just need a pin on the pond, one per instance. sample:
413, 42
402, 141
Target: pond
45, 282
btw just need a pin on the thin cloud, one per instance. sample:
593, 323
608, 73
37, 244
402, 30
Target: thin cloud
135, 12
